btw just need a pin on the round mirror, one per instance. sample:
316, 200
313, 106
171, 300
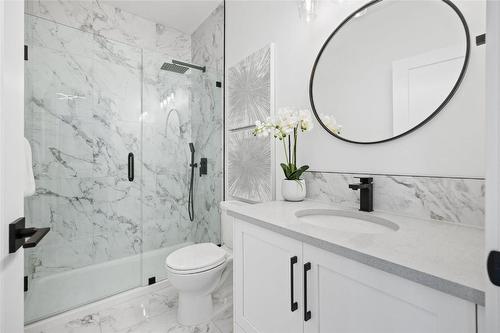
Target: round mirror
389, 68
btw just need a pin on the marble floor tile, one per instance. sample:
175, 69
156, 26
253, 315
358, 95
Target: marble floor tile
138, 310
152, 311
167, 322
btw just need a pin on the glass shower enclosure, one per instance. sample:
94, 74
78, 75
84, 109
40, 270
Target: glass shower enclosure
94, 106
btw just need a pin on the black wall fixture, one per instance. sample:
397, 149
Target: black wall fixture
481, 39
203, 166
130, 167
18, 234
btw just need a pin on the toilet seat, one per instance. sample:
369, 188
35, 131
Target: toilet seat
195, 258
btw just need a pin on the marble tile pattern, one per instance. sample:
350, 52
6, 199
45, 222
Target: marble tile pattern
454, 200
207, 42
104, 20
166, 132
81, 138
82, 124
207, 124
152, 312
94, 93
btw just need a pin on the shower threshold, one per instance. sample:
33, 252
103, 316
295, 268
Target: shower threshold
57, 293
144, 309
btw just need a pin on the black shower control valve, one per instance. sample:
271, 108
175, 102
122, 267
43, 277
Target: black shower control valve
203, 166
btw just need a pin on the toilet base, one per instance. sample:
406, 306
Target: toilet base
194, 309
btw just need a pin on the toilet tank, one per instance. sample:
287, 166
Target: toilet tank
227, 222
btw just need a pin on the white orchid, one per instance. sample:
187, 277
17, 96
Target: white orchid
331, 123
305, 118
263, 129
286, 125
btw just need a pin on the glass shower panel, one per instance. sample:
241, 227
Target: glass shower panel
166, 135
82, 115
207, 129
179, 109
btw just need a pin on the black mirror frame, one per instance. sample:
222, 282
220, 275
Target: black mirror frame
426, 120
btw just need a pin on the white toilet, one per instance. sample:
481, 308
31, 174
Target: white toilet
196, 270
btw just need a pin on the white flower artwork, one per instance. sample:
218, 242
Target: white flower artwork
250, 168
249, 89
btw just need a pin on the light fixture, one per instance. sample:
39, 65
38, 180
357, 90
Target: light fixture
307, 9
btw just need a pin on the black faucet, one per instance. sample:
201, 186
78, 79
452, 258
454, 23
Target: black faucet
366, 196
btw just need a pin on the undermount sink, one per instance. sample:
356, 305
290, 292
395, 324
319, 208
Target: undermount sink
346, 221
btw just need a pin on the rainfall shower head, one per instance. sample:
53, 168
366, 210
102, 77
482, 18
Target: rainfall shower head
174, 68
181, 67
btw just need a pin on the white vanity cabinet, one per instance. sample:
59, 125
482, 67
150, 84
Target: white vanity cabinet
343, 295
262, 280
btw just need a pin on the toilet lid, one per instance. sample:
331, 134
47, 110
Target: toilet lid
196, 256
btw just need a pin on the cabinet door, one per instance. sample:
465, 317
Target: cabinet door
480, 313
348, 297
264, 263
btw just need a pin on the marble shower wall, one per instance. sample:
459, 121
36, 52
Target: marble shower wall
88, 64
112, 23
166, 134
82, 111
452, 200
207, 49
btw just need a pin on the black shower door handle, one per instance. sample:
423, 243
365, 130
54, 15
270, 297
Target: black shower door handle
131, 167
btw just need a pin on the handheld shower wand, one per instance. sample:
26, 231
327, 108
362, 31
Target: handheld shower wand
191, 189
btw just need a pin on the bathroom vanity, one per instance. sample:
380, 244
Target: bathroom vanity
308, 267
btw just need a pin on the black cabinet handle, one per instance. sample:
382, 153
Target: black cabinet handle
130, 167
307, 313
293, 305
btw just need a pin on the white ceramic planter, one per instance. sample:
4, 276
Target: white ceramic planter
293, 190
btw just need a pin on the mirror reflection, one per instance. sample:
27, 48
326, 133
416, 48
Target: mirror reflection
389, 68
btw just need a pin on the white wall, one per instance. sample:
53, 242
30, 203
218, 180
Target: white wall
492, 225
11, 162
452, 144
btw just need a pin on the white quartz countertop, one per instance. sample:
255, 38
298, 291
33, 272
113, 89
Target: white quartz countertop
444, 256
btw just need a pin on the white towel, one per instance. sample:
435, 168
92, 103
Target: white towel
29, 182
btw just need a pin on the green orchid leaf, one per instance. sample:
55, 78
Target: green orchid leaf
298, 173
286, 170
